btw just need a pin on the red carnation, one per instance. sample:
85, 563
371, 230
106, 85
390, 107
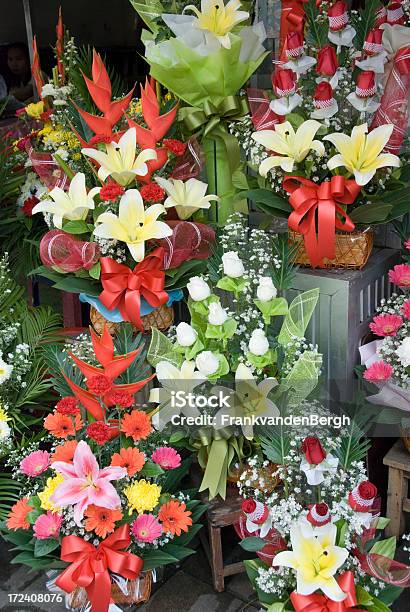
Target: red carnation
99, 384
323, 96
121, 399
248, 506
327, 63
366, 84
152, 192
100, 138
177, 147
313, 450
338, 17
28, 205
284, 82
68, 405
111, 191
362, 497
99, 432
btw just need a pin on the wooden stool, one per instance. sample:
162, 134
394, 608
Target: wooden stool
221, 513
398, 502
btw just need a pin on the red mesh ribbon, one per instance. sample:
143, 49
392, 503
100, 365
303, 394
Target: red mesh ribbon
188, 241
191, 163
263, 118
62, 251
275, 541
48, 171
393, 108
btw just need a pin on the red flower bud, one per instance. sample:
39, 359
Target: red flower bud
318, 514
323, 96
294, 45
313, 450
338, 17
373, 43
327, 61
362, 497
284, 82
366, 84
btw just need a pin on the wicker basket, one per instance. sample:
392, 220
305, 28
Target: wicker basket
160, 318
405, 436
352, 250
139, 591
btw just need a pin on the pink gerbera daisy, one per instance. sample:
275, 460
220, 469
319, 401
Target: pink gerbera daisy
386, 325
400, 275
406, 309
35, 463
146, 528
378, 372
166, 457
47, 526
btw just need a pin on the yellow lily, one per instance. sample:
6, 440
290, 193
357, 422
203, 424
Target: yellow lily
73, 205
134, 225
316, 559
187, 197
290, 147
35, 109
218, 19
120, 160
361, 153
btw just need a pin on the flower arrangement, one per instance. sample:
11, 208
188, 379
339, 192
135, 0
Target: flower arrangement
325, 142
240, 333
101, 480
316, 533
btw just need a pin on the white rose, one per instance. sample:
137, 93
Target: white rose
198, 289
233, 266
217, 314
266, 289
186, 335
207, 363
258, 344
403, 352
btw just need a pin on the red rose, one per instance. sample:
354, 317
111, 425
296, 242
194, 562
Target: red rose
373, 43
294, 45
248, 506
327, 63
362, 497
367, 490
176, 147
28, 205
313, 450
152, 192
99, 432
99, 384
318, 514
323, 95
121, 399
284, 82
365, 84
68, 405
338, 17
111, 191
322, 509
381, 16
395, 14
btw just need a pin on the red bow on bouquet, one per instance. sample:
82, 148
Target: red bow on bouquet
91, 566
321, 603
123, 287
317, 213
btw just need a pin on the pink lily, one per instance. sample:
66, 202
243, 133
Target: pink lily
85, 483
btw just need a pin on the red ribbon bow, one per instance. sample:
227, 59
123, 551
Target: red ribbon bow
310, 200
321, 603
123, 287
90, 566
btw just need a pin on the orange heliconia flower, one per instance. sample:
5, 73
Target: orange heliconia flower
65, 452
101, 520
62, 425
17, 518
130, 458
136, 425
174, 517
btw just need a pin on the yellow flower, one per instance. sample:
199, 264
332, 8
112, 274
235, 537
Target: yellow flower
134, 225
187, 197
290, 147
142, 496
361, 153
3, 415
44, 496
218, 19
35, 109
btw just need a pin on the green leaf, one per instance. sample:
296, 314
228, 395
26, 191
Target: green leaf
95, 271
365, 22
387, 548
44, 547
239, 180
295, 120
371, 213
382, 522
253, 544
76, 227
162, 349
151, 469
363, 597
317, 30
270, 199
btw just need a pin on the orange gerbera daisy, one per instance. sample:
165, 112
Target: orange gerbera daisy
174, 517
130, 458
65, 452
62, 425
136, 425
17, 518
101, 520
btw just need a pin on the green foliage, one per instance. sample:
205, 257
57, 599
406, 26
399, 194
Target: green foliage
365, 22
354, 445
252, 544
9, 494
125, 342
317, 30
286, 253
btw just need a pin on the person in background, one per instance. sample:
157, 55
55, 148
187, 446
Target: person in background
19, 79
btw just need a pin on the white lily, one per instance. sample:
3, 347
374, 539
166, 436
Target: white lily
290, 147
217, 19
361, 153
187, 197
134, 225
315, 559
121, 160
73, 205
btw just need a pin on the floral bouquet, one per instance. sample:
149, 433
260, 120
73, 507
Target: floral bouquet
205, 56
325, 142
317, 533
241, 334
99, 497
